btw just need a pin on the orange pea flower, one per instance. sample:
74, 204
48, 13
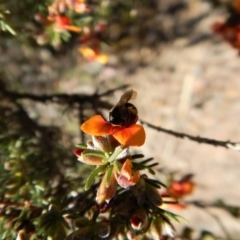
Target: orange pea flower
93, 55
133, 135
62, 23
182, 188
126, 178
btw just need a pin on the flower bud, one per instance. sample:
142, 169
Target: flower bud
106, 193
91, 160
130, 235
22, 235
78, 152
92, 157
102, 143
139, 220
103, 229
121, 235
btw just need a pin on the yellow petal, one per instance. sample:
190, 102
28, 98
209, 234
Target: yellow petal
73, 28
131, 136
102, 58
97, 126
93, 55
87, 53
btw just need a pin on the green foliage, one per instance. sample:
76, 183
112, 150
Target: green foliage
92, 176
6, 28
32, 175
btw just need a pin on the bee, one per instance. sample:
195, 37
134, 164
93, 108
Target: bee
124, 113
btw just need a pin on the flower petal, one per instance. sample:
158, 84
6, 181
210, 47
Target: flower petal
126, 169
97, 126
126, 178
72, 28
130, 136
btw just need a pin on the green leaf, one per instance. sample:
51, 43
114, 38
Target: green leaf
6, 27
115, 154
85, 20
116, 165
136, 156
146, 161
152, 165
93, 175
53, 224
82, 146
155, 182
9, 29
109, 174
173, 216
94, 153
149, 170
139, 166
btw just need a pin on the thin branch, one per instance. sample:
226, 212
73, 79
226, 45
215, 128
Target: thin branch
70, 99
56, 98
216, 143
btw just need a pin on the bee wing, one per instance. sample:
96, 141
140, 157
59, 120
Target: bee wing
130, 94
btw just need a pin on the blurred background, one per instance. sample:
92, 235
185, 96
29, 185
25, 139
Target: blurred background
57, 71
